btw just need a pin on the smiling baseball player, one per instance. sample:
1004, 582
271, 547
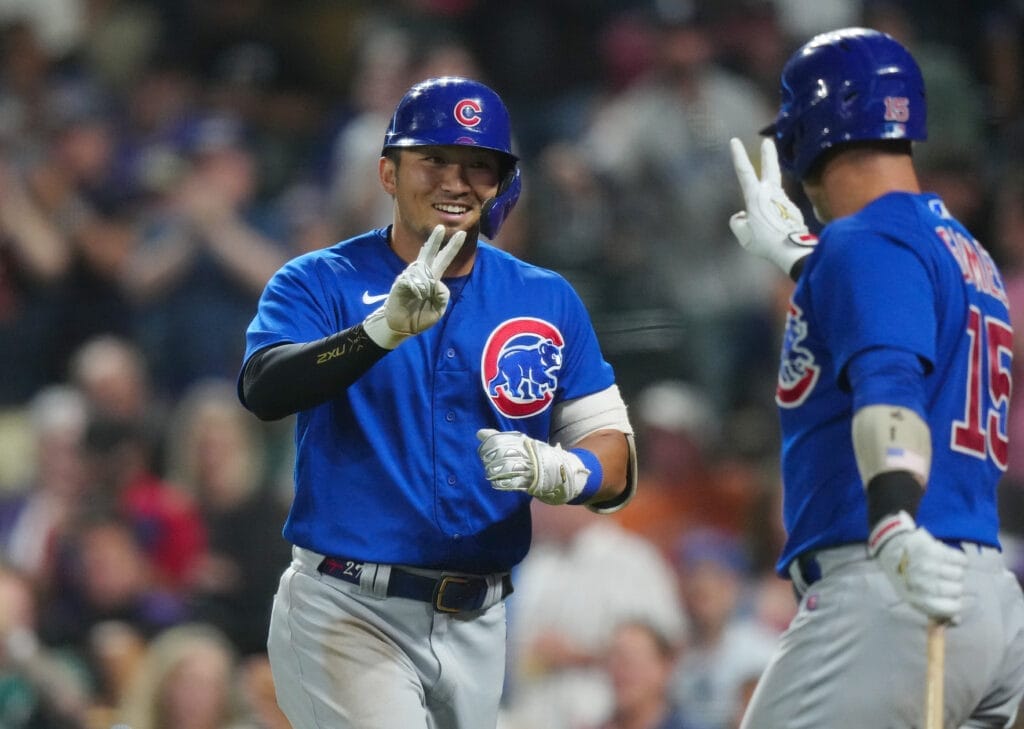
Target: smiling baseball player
440, 385
893, 393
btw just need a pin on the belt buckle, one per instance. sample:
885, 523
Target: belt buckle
442, 586
440, 590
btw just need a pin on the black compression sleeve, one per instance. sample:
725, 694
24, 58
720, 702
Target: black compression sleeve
285, 379
891, 492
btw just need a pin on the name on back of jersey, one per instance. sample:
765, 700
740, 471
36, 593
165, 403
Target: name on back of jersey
975, 263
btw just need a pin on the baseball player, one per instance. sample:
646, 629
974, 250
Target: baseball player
440, 385
892, 393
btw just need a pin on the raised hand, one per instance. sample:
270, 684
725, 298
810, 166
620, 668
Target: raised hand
772, 226
418, 297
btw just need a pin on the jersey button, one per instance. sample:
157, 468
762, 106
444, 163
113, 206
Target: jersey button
452, 480
449, 353
449, 416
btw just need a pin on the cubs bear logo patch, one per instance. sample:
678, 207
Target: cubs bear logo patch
520, 366
798, 372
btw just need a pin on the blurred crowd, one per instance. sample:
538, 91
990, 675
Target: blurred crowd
160, 159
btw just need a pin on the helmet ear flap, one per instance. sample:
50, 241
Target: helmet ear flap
498, 207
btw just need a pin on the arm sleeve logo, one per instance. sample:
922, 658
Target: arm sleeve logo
798, 372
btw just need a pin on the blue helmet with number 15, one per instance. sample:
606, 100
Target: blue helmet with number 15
451, 110
843, 86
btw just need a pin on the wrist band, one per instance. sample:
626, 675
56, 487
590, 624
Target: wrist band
595, 478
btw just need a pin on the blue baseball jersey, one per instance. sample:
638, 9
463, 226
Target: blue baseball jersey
901, 273
388, 471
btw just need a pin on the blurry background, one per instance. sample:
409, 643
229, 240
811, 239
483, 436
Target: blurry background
160, 160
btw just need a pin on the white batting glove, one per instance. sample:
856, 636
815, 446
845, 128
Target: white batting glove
927, 573
418, 298
772, 226
515, 462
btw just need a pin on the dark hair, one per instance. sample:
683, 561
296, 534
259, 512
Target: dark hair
885, 146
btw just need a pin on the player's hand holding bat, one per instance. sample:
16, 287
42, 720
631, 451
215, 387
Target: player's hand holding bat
515, 462
926, 572
418, 297
772, 226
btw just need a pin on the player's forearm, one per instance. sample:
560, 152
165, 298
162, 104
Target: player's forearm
288, 378
891, 440
612, 451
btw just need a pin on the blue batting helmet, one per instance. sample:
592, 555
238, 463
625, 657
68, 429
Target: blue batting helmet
451, 110
845, 86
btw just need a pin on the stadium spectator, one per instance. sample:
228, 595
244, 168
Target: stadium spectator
725, 648
105, 576
123, 481
185, 681
113, 375
661, 146
639, 664
39, 688
37, 513
217, 456
204, 258
583, 575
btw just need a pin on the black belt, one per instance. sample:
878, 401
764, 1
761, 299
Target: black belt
805, 569
448, 593
810, 570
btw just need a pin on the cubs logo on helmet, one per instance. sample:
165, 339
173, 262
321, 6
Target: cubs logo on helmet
520, 366
467, 112
798, 372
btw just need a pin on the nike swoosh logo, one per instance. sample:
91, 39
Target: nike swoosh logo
368, 299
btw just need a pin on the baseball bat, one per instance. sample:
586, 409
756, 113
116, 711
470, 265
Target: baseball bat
935, 671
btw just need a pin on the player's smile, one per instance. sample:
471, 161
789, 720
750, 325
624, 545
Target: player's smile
452, 213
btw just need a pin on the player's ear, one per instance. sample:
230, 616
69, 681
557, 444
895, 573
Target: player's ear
387, 170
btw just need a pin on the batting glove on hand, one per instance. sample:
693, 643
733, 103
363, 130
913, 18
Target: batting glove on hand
515, 462
927, 573
418, 298
772, 226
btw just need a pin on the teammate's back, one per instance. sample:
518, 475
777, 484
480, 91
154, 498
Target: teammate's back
893, 395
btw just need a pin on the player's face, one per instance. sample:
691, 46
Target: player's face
444, 184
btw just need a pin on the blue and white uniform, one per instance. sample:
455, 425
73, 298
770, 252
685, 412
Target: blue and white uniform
899, 275
912, 278
893, 394
391, 615
388, 471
